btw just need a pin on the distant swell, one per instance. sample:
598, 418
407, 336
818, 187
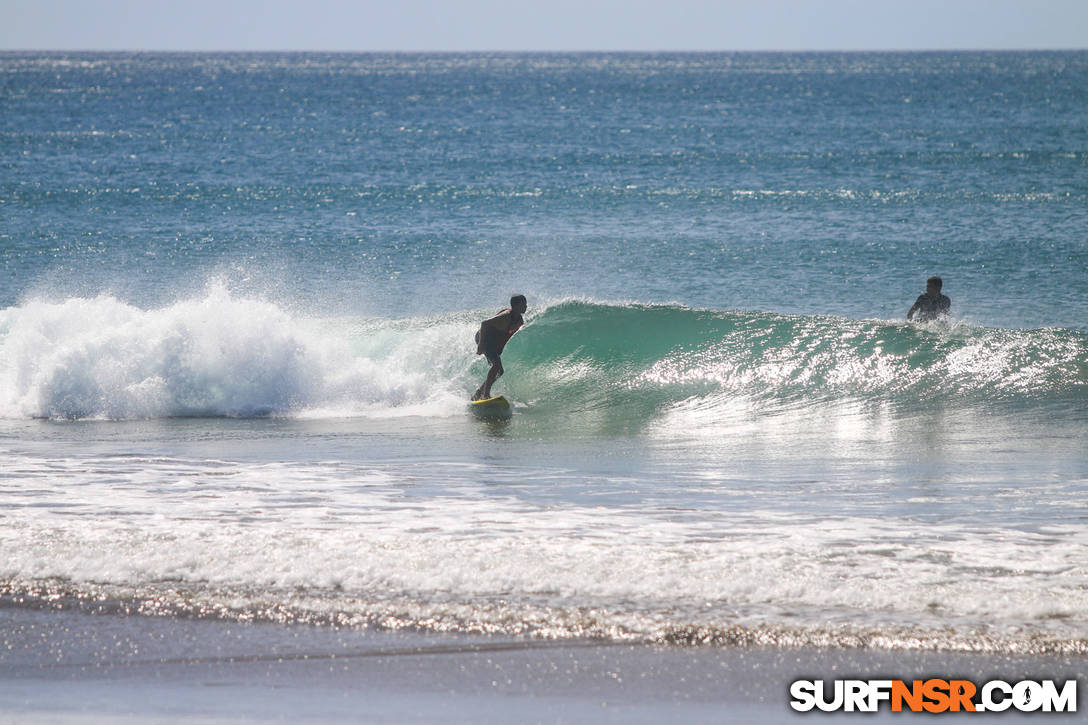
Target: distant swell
223, 356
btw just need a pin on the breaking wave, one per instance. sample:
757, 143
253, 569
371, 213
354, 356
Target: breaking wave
219, 355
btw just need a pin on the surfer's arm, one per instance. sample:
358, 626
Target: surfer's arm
914, 308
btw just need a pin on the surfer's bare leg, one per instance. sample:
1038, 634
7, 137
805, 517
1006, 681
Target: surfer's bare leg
493, 374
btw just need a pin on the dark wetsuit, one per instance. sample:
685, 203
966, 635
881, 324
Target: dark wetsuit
930, 308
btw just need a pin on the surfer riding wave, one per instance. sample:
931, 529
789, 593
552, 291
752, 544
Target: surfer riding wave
492, 337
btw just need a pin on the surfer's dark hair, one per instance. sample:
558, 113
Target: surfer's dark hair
516, 299
936, 282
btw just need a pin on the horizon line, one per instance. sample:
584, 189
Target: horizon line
583, 51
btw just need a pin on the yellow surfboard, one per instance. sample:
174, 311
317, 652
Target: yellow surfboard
497, 407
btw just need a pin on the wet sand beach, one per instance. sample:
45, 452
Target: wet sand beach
86, 668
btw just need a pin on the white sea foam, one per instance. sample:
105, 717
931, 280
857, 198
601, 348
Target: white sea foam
357, 532
219, 355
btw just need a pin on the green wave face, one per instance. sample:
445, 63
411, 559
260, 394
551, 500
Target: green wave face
588, 356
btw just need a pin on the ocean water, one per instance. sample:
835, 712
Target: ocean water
238, 295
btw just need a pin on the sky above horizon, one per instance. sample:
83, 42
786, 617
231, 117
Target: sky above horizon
561, 25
